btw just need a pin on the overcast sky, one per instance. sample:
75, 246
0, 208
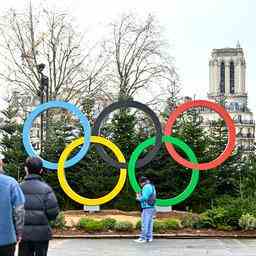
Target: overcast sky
192, 28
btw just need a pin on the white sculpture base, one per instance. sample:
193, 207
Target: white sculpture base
163, 208
91, 208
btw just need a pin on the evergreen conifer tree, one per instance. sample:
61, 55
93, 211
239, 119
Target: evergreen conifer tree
11, 143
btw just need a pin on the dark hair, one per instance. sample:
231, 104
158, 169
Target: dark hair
34, 165
143, 179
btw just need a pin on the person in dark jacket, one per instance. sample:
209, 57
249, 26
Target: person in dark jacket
41, 207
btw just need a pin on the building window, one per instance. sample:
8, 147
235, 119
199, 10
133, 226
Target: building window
232, 78
222, 77
232, 106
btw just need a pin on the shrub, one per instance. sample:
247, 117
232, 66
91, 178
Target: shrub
247, 222
216, 217
138, 224
224, 227
123, 226
172, 224
189, 220
160, 226
60, 222
204, 221
236, 207
109, 223
90, 225
219, 216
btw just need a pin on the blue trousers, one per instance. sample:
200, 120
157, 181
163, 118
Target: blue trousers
147, 216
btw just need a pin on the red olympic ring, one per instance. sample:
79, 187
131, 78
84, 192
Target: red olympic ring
231, 134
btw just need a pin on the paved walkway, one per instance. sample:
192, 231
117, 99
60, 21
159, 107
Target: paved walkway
177, 247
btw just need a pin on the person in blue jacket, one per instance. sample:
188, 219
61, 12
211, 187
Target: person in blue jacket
12, 212
147, 199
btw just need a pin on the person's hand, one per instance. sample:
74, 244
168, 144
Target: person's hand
19, 238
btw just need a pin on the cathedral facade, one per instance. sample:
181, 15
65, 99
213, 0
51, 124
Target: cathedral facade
227, 84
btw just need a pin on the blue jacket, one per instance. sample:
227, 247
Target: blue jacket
146, 193
11, 198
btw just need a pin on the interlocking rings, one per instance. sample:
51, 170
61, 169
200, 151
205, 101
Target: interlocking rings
231, 134
133, 162
68, 190
127, 104
57, 104
189, 152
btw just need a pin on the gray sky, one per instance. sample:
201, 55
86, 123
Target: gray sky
192, 28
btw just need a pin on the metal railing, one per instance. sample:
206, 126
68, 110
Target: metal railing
248, 135
252, 122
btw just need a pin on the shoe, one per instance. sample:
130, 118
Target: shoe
150, 240
140, 240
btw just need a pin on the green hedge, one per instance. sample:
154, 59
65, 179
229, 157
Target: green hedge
138, 224
247, 222
173, 224
229, 213
236, 207
167, 225
123, 226
109, 223
220, 218
190, 220
160, 227
163, 226
90, 225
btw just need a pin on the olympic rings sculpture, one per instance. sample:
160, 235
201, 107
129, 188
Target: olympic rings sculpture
129, 169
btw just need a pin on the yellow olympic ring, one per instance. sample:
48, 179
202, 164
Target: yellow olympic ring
71, 193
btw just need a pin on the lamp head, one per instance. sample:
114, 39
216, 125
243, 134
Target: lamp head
40, 67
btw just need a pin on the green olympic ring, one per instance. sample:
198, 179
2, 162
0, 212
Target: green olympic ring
190, 154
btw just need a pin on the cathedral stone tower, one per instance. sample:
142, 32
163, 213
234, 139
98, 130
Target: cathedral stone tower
227, 71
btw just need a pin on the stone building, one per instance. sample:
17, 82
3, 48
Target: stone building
227, 75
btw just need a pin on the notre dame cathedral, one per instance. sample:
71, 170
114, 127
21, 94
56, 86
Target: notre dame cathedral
227, 75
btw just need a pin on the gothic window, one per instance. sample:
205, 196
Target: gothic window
222, 77
240, 119
232, 78
232, 106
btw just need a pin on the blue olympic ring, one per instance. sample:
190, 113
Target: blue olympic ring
57, 104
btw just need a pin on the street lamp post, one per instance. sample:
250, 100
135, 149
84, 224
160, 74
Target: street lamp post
44, 90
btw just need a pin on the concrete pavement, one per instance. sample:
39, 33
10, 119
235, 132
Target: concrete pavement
159, 247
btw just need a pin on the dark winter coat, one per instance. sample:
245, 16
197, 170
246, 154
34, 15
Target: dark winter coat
41, 207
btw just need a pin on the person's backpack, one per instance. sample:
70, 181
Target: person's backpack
152, 199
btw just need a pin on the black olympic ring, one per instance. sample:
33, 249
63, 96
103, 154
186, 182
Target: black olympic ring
126, 104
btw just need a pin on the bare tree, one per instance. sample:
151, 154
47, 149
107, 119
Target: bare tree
139, 57
48, 37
